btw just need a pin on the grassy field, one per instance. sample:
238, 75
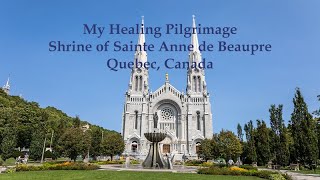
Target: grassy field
110, 175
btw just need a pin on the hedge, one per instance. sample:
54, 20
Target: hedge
62, 166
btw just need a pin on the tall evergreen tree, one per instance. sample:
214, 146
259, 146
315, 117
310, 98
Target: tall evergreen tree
317, 112
250, 145
262, 143
318, 135
279, 143
240, 133
303, 130
317, 119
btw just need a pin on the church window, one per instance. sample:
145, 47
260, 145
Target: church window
194, 84
136, 120
136, 83
167, 114
199, 83
140, 84
198, 120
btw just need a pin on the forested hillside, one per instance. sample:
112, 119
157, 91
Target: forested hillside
26, 124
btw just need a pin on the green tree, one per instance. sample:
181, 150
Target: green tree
96, 135
76, 122
209, 148
74, 142
317, 119
303, 130
23, 118
112, 145
318, 135
250, 145
240, 133
279, 143
283, 154
9, 143
262, 142
36, 146
317, 112
229, 145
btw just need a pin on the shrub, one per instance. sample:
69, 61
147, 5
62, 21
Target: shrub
214, 171
134, 162
10, 162
276, 177
61, 166
236, 171
109, 162
235, 168
193, 163
263, 174
249, 167
220, 165
207, 164
10, 170
49, 154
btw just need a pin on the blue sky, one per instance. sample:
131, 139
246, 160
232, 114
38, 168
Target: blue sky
242, 86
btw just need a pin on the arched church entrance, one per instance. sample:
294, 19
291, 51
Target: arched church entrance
166, 148
166, 145
134, 146
198, 147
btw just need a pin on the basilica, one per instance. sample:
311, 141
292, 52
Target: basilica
185, 117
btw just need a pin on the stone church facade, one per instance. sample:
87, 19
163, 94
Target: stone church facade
185, 117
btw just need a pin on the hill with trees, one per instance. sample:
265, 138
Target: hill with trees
26, 125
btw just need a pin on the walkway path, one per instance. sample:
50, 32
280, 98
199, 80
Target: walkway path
179, 169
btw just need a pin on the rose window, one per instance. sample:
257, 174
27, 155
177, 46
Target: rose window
167, 114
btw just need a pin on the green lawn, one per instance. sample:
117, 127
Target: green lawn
34, 175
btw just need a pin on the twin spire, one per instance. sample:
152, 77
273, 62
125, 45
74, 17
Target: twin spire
194, 55
141, 54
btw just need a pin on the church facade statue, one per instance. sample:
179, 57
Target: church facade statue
155, 120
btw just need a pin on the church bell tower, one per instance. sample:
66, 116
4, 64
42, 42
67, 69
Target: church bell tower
139, 75
135, 112
196, 83
6, 87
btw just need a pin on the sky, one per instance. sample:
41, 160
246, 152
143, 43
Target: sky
242, 87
